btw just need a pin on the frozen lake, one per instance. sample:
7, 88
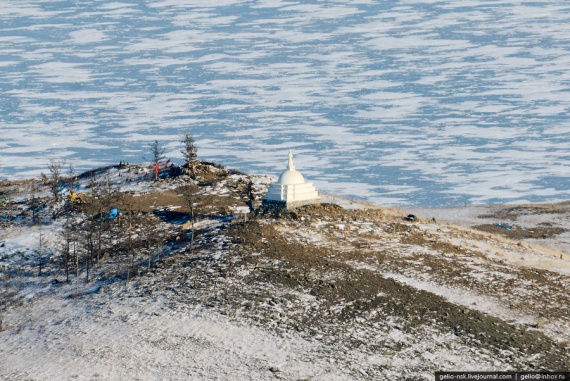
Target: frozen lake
432, 103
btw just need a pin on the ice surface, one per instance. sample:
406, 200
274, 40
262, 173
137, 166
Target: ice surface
452, 102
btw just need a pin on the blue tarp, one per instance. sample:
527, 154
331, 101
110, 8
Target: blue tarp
113, 213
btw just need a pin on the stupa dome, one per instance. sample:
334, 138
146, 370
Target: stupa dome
290, 178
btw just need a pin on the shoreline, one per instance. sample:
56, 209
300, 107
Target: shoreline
528, 216
350, 201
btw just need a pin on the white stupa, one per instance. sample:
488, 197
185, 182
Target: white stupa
291, 190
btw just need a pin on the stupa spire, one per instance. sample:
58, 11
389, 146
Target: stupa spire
290, 165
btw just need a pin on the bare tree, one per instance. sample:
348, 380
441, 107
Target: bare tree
68, 235
91, 225
41, 250
189, 192
97, 227
149, 248
55, 167
100, 206
76, 260
189, 153
133, 240
34, 201
130, 245
251, 196
72, 183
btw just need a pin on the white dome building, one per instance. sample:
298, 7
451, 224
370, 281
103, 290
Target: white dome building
291, 190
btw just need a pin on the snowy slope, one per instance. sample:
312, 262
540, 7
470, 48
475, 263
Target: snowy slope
323, 293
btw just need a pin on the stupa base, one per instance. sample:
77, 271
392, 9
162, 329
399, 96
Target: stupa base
289, 205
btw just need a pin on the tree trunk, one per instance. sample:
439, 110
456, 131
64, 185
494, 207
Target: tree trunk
40, 252
149, 255
67, 258
89, 256
75, 259
76, 269
192, 235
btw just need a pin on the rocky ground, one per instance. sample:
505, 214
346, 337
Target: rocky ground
544, 225
327, 292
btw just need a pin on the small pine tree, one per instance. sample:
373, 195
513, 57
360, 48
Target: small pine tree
157, 151
189, 152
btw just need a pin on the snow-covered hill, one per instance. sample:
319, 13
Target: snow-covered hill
321, 293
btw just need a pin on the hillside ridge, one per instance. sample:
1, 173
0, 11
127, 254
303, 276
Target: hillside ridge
211, 286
